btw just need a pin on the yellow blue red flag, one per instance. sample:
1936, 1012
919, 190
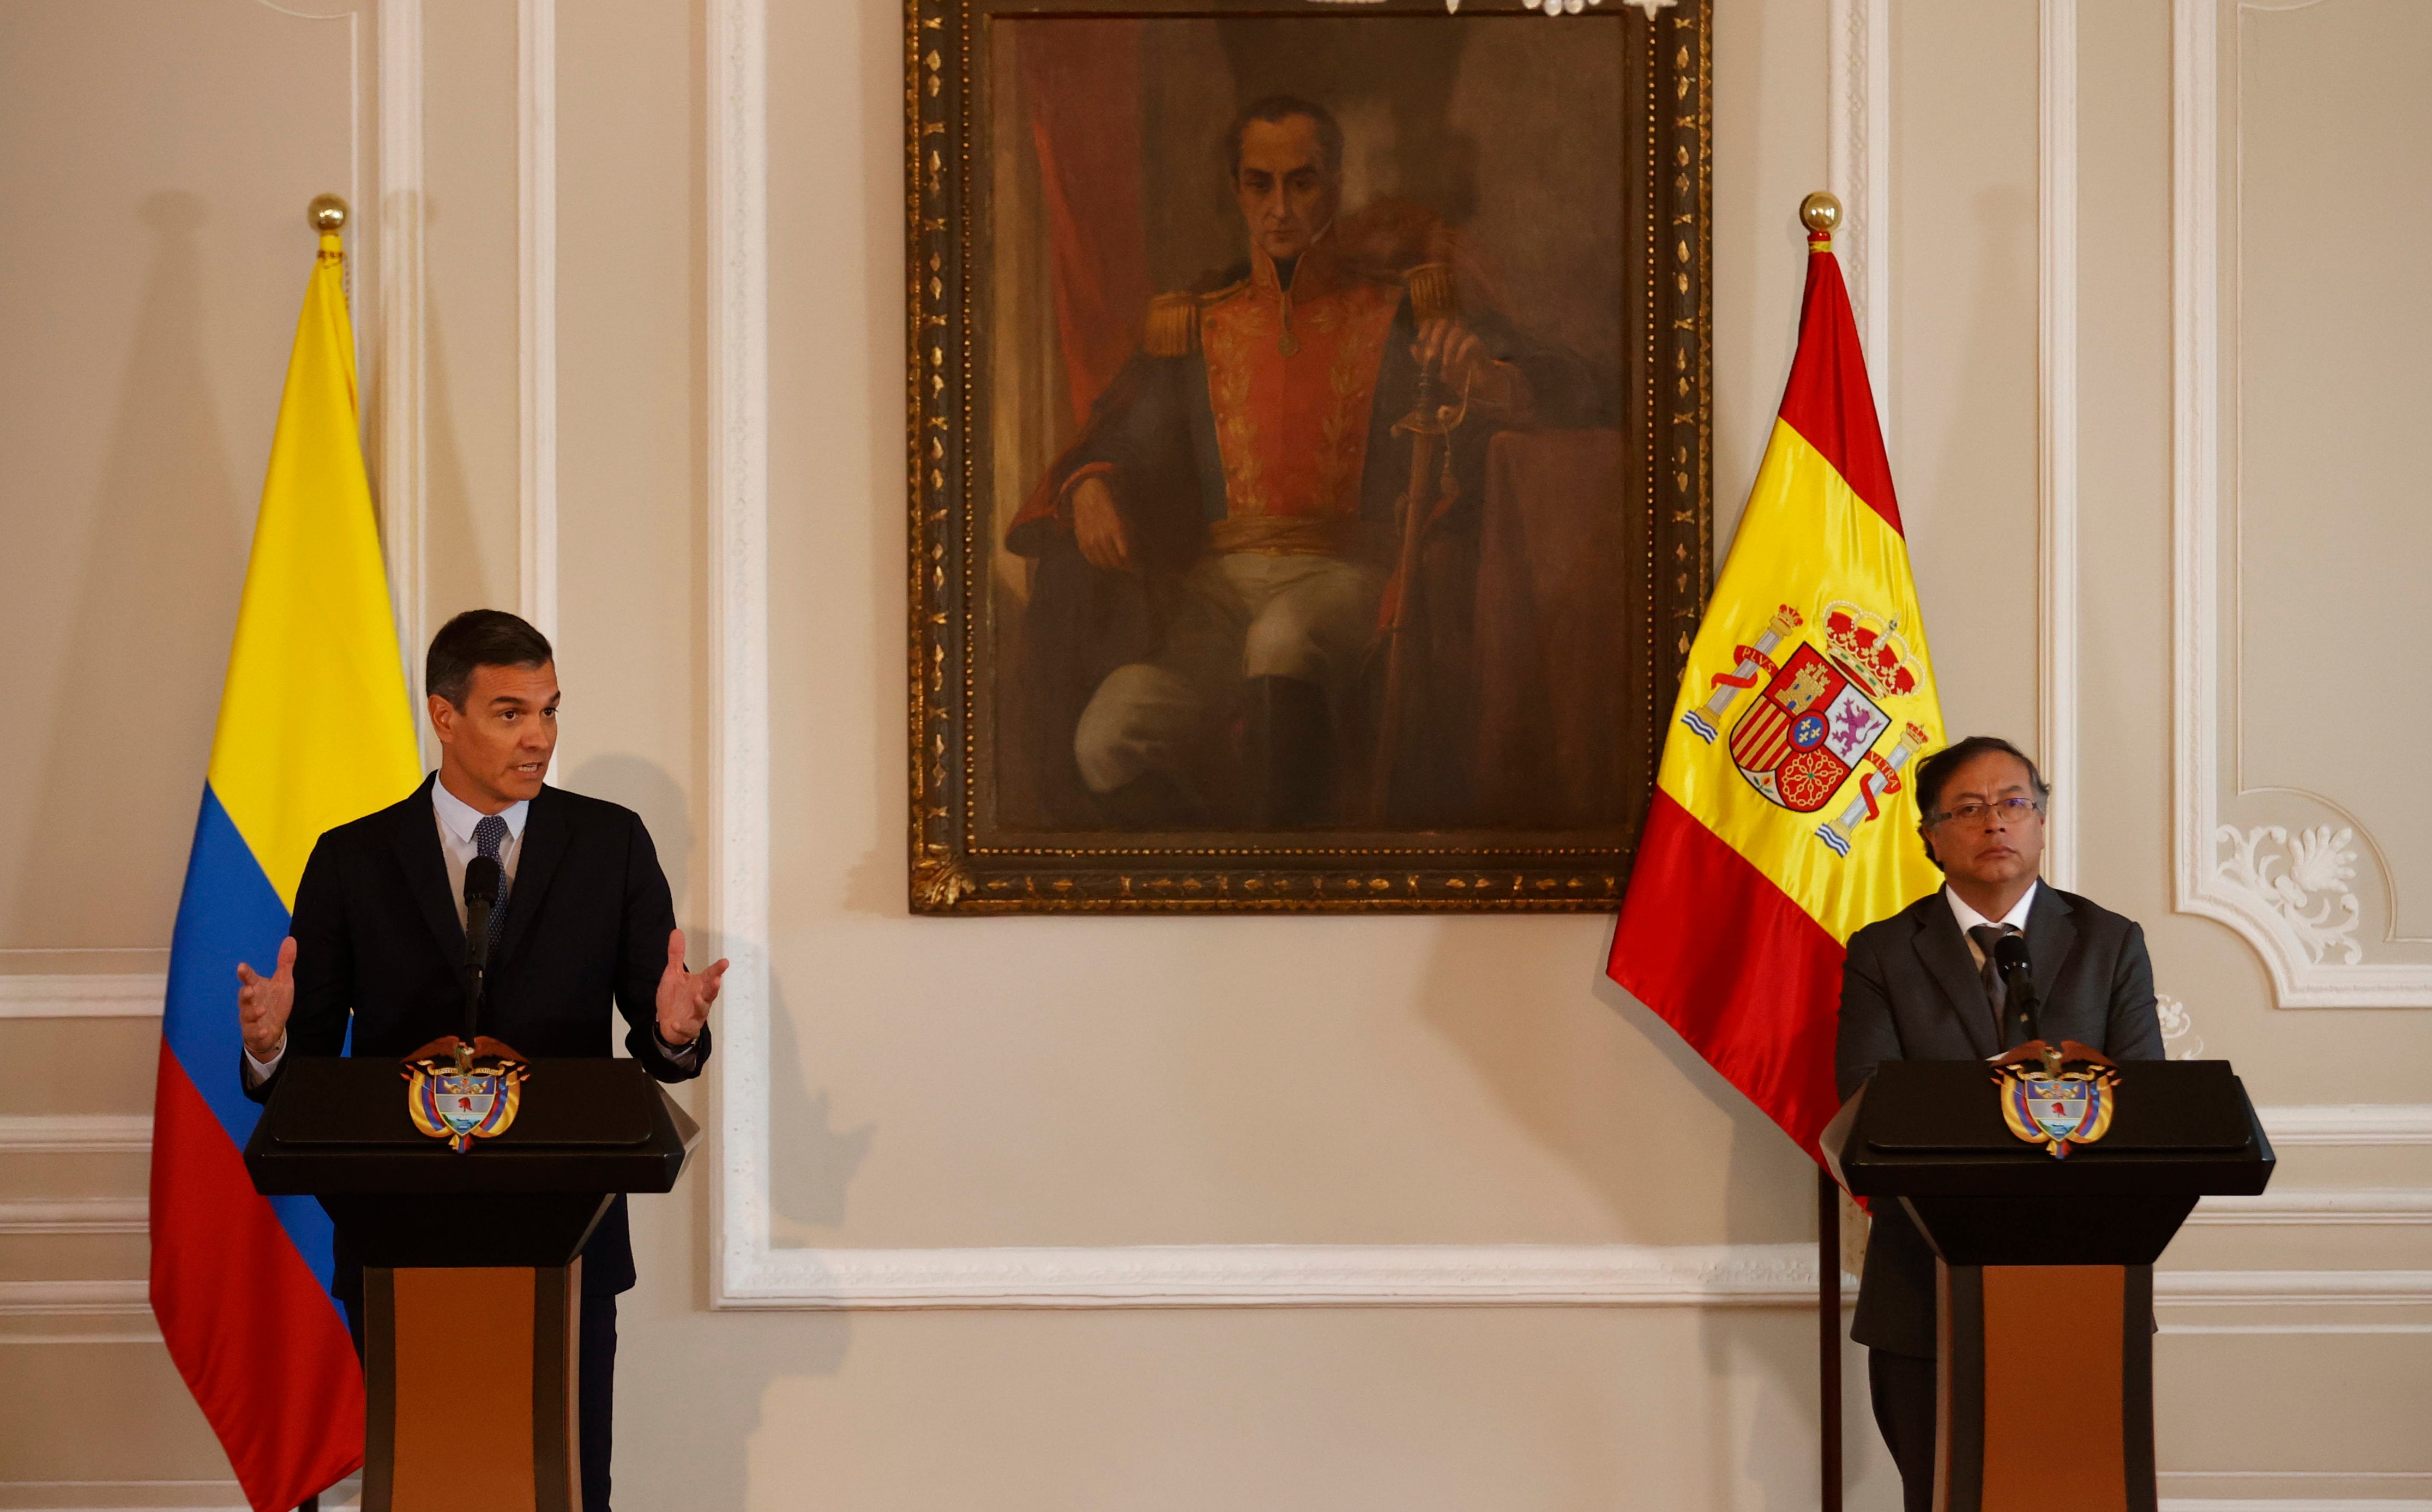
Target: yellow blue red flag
314, 730
1783, 820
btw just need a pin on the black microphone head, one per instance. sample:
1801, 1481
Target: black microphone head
2010, 955
480, 880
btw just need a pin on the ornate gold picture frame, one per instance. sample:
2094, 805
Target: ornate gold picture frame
1308, 424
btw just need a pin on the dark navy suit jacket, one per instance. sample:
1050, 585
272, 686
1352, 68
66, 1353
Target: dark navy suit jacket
1910, 992
379, 948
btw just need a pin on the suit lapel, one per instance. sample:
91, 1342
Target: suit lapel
416, 843
1944, 951
2051, 936
546, 834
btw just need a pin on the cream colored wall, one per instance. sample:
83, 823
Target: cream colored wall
952, 1085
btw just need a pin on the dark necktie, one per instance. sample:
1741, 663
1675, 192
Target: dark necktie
1986, 936
489, 839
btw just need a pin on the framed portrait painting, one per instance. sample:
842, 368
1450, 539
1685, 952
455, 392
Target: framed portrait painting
1309, 417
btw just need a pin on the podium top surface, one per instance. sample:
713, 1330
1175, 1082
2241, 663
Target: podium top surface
1935, 1128
583, 1124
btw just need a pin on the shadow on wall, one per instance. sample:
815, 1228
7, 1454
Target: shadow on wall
649, 791
165, 551
810, 1164
1577, 1087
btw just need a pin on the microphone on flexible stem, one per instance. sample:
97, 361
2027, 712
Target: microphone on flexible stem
2018, 982
480, 897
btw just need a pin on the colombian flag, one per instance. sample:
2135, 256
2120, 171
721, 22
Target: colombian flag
314, 730
1782, 821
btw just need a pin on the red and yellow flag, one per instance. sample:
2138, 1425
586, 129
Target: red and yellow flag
1783, 820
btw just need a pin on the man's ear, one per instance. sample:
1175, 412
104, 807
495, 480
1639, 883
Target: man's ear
1927, 841
443, 718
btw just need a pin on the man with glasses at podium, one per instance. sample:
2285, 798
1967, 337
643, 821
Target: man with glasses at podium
1929, 984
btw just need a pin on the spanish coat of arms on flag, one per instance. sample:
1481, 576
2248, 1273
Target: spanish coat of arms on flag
1783, 822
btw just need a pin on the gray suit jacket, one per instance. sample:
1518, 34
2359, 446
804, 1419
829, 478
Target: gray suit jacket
1910, 992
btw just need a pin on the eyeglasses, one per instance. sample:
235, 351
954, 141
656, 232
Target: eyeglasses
2008, 810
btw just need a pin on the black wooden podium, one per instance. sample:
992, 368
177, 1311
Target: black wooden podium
472, 1287
2044, 1266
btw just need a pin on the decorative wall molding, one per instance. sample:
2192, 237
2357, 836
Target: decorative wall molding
2321, 1207
2285, 887
536, 342
2356, 1123
1621, 1275
87, 1215
1858, 168
400, 470
739, 630
74, 1298
2294, 1289
2056, 658
74, 1134
130, 995
1763, 1275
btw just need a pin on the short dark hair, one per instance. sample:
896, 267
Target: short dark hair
1933, 775
1279, 107
480, 637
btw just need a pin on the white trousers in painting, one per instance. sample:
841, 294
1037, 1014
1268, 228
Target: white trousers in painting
1245, 615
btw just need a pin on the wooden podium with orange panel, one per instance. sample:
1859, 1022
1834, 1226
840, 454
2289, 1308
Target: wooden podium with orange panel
2048, 1185
467, 1185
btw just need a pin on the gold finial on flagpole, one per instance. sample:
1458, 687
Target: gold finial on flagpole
327, 214
1820, 214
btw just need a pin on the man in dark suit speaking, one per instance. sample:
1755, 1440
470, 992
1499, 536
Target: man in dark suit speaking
583, 919
1923, 985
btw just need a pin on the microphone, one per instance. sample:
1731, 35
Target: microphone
2018, 982
480, 897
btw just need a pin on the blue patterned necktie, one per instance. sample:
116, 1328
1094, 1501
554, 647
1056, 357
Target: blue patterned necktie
489, 839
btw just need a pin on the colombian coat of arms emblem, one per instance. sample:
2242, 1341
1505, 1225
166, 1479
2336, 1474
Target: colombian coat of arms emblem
1818, 715
461, 1093
2058, 1097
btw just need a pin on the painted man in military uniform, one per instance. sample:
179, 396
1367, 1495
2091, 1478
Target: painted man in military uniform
1214, 550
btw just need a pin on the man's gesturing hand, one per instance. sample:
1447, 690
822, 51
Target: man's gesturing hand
263, 1003
685, 996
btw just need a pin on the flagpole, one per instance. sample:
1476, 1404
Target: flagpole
1828, 1330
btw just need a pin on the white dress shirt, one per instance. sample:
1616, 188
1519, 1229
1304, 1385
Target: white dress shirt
457, 849
1968, 918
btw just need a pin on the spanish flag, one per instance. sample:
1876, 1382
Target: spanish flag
1783, 820
314, 730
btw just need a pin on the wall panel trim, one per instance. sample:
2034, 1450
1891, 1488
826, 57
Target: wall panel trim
537, 336
402, 467
738, 628
76, 1132
2249, 877
1858, 168
2056, 660
129, 995
750, 1271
